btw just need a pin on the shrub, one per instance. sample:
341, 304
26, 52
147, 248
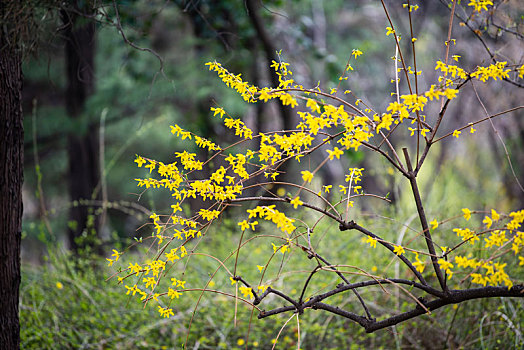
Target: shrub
475, 253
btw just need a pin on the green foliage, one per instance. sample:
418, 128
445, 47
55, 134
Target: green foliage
70, 307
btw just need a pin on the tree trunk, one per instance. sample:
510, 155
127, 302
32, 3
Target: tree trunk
82, 148
11, 178
252, 6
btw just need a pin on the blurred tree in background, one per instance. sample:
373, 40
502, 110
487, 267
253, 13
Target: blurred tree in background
82, 145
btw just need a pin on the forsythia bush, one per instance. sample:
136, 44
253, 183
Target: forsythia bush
330, 123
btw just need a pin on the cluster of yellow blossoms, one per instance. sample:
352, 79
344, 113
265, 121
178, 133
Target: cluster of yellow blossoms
322, 121
483, 271
493, 272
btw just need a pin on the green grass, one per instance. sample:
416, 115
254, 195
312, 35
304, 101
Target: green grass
90, 313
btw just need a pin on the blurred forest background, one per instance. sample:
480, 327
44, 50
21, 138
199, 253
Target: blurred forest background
108, 79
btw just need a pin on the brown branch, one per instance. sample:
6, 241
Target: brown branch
422, 306
455, 297
423, 221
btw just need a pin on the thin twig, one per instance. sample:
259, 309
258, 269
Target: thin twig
500, 139
133, 45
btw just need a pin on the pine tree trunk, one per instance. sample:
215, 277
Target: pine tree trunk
11, 178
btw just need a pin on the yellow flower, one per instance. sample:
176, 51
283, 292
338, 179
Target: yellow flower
434, 224
494, 215
456, 133
335, 153
307, 175
479, 5
487, 220
444, 265
497, 238
356, 52
173, 293
243, 225
260, 268
209, 214
241, 342
313, 105
165, 312
478, 279
219, 111
135, 268
246, 291
59, 285
140, 161
450, 93
372, 241
262, 288
419, 266
399, 250
467, 213
264, 95
135, 290
288, 100
296, 202
149, 281
151, 166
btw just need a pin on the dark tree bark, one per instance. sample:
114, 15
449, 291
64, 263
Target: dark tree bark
11, 178
82, 149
